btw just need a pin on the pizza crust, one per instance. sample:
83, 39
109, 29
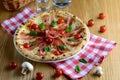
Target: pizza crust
50, 57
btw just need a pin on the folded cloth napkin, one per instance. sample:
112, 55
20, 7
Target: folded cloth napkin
94, 53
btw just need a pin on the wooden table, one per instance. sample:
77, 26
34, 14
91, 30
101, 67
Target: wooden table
84, 9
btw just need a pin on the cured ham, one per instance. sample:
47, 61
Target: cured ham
69, 21
75, 43
41, 48
25, 36
57, 42
48, 18
52, 33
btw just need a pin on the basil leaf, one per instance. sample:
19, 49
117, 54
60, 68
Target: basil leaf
33, 44
53, 23
77, 68
71, 39
42, 26
62, 47
47, 49
33, 33
69, 29
83, 61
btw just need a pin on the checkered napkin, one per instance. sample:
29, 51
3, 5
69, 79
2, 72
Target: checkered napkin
94, 53
11, 24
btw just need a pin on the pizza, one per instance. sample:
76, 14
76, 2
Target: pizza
51, 36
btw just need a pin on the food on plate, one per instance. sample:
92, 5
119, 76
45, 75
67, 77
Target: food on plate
51, 36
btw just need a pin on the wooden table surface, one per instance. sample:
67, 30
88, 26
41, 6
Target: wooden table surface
84, 9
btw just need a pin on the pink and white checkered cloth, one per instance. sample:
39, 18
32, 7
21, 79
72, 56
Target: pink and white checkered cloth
94, 53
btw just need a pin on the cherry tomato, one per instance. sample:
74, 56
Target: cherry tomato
49, 40
58, 73
34, 26
57, 42
62, 32
26, 45
39, 76
90, 22
13, 65
101, 16
56, 52
77, 36
102, 28
60, 21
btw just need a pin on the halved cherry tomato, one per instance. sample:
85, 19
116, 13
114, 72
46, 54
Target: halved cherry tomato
90, 23
77, 36
39, 76
56, 52
34, 26
26, 45
49, 40
61, 21
13, 65
102, 28
101, 16
58, 73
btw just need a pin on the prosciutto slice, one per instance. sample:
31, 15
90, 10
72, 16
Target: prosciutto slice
48, 18
69, 21
25, 36
41, 50
35, 44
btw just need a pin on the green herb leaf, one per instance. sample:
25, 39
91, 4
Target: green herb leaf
69, 29
53, 23
62, 47
33, 44
83, 61
33, 33
47, 49
71, 39
77, 68
42, 26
